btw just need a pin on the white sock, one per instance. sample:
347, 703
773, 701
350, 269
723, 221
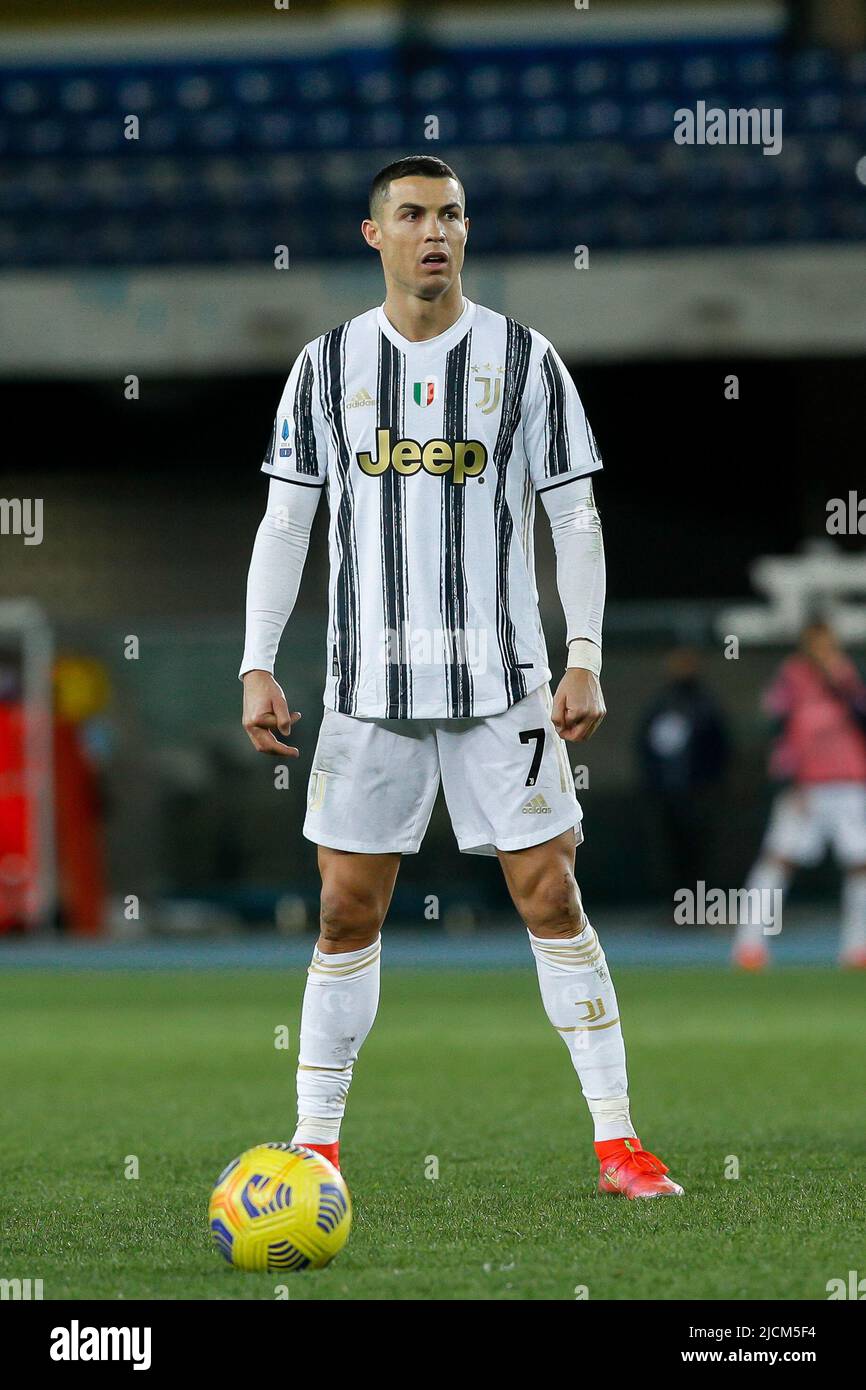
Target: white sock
579, 999
853, 913
340, 1003
767, 877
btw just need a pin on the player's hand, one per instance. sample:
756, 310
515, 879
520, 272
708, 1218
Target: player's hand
265, 709
578, 706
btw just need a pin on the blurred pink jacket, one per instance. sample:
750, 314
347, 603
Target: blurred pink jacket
821, 740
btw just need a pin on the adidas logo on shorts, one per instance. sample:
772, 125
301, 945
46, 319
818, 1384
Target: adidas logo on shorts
536, 806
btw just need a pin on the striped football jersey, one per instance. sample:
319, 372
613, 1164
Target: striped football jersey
432, 453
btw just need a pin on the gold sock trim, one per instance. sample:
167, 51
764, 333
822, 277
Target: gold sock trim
304, 1066
588, 1028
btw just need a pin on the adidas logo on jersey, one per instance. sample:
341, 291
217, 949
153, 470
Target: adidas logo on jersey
467, 458
537, 806
361, 397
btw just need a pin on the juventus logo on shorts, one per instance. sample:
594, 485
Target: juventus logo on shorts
316, 791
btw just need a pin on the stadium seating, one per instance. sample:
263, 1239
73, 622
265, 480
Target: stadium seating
228, 151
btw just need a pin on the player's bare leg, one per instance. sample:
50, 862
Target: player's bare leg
852, 946
581, 1003
342, 991
770, 874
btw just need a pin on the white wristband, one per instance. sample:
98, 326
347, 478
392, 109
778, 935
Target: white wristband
585, 654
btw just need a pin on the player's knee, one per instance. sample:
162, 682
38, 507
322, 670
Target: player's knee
554, 907
350, 914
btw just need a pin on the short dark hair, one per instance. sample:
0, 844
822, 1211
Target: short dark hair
427, 165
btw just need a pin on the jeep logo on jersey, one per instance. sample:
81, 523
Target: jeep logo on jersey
424, 392
467, 458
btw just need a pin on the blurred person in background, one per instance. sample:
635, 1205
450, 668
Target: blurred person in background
82, 693
684, 750
818, 704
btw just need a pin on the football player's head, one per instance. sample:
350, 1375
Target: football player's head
418, 224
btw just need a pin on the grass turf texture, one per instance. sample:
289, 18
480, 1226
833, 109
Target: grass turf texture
181, 1070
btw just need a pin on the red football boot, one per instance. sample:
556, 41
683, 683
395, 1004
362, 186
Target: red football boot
329, 1151
628, 1169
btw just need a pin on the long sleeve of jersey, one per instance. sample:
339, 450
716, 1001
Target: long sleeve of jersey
277, 562
580, 569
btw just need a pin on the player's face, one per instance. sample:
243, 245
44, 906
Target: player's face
420, 234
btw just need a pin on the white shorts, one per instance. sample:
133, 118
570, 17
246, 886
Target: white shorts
506, 778
805, 821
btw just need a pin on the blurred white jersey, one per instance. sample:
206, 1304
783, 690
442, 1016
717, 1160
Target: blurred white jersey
432, 453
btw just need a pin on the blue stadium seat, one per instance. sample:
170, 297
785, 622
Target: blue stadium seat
545, 121
83, 94
490, 124
219, 129
484, 82
271, 130
375, 87
257, 86
820, 109
98, 135
593, 174
591, 77
383, 127
650, 120
330, 127
317, 84
142, 91
160, 131
539, 82
24, 96
600, 120
647, 76
47, 135
199, 91
815, 67
700, 73
756, 68
434, 86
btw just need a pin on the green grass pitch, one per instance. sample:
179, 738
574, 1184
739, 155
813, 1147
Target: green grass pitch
181, 1070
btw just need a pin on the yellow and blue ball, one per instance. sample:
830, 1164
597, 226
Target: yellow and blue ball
280, 1207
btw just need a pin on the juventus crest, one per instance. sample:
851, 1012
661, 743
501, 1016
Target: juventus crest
491, 388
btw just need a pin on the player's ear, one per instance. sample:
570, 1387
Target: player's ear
371, 233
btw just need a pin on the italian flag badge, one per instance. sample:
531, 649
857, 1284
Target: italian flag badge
425, 391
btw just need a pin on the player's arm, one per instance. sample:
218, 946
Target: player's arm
578, 706
296, 461
274, 577
563, 454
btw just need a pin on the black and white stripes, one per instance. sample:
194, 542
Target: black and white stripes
346, 620
304, 433
557, 454
517, 352
453, 596
395, 570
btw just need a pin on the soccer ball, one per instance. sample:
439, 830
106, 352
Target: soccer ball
280, 1207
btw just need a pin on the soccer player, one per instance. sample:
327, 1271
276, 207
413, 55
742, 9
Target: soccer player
818, 703
434, 422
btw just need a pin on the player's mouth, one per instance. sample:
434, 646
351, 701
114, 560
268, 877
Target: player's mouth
435, 260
